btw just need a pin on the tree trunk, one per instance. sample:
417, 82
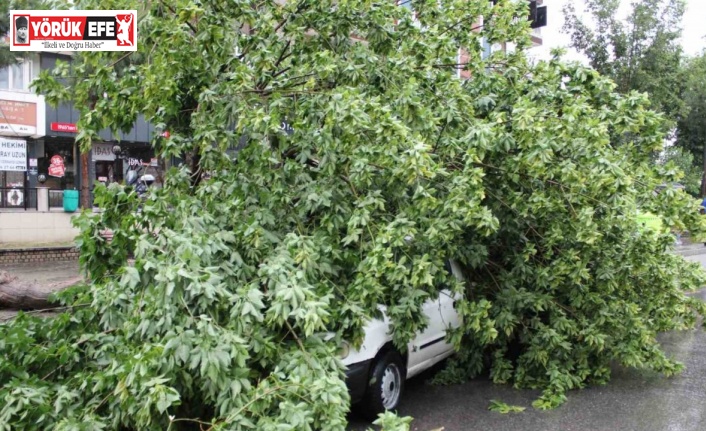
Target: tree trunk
24, 295
85, 181
703, 175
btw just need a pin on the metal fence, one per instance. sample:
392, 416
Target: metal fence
56, 198
25, 198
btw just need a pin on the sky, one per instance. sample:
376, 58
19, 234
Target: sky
693, 27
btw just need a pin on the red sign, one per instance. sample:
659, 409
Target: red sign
63, 127
56, 168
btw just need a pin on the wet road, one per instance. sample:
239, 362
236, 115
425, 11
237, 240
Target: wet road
632, 401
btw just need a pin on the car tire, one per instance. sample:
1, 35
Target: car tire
385, 385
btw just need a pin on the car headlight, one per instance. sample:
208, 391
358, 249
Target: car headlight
345, 350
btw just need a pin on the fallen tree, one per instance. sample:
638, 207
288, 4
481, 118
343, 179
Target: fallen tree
29, 295
531, 176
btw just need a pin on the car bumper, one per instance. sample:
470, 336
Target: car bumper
357, 379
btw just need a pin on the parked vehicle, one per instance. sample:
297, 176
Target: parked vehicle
377, 371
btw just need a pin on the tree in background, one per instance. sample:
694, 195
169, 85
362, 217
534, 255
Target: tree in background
8, 57
691, 124
268, 241
640, 53
643, 54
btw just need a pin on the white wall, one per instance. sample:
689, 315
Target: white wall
32, 227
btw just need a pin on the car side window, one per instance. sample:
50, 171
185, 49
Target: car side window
452, 268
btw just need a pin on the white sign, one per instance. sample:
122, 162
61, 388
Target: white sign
17, 129
13, 155
73, 30
103, 152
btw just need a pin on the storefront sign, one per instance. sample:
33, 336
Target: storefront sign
15, 198
134, 162
13, 155
63, 127
18, 118
103, 152
56, 168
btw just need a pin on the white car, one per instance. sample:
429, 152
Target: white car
376, 372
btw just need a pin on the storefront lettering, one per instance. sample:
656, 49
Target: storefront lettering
17, 129
103, 152
63, 127
18, 118
13, 155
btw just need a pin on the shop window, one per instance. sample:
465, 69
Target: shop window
12, 179
65, 151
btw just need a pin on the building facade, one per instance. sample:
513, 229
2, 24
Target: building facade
37, 140
22, 126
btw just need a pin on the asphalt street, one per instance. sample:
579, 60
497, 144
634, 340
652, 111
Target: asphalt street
634, 400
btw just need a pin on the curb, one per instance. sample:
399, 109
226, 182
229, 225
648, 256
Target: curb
34, 255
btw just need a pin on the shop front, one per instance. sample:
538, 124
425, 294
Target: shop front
104, 165
107, 168
13, 171
18, 140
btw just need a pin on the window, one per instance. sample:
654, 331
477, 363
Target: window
18, 81
4, 78
16, 77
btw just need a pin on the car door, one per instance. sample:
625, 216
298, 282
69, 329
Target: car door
447, 305
429, 343
430, 346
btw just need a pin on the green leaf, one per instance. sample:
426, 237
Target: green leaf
502, 408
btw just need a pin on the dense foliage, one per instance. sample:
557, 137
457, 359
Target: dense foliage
258, 245
684, 161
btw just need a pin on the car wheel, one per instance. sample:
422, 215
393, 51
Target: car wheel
385, 385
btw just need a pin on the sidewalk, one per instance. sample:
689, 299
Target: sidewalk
687, 248
690, 249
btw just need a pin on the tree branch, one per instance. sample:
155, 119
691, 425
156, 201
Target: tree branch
172, 10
